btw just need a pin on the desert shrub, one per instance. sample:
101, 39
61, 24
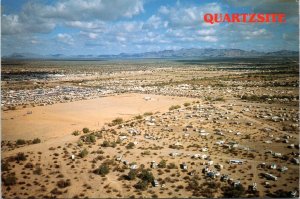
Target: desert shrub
142, 185
63, 183
173, 107
20, 157
162, 164
172, 166
28, 165
36, 141
119, 141
186, 104
76, 133
117, 121
220, 99
148, 113
132, 174
38, 171
90, 138
55, 191
138, 117
130, 145
79, 143
281, 194
85, 130
105, 144
9, 180
4, 166
113, 144
102, 170
234, 192
146, 153
193, 184
83, 153
20, 142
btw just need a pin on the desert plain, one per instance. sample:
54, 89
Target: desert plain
150, 128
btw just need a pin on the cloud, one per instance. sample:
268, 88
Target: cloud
91, 9
154, 22
291, 36
65, 38
87, 25
255, 34
84, 14
206, 32
188, 16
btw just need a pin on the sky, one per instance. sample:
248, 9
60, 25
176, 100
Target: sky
101, 27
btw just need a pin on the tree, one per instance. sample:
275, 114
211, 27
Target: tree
147, 176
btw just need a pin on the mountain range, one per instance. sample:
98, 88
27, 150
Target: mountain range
182, 53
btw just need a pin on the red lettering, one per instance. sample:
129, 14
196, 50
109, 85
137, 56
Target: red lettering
273, 18
209, 18
235, 18
227, 18
267, 18
244, 18
261, 18
252, 18
216, 18
281, 18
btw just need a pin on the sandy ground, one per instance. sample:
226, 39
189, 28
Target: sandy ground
59, 120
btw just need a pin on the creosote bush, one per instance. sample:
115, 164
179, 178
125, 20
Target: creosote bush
148, 113
130, 145
83, 153
36, 141
85, 130
132, 174
117, 121
174, 107
63, 183
76, 133
38, 171
162, 164
20, 142
9, 180
187, 104
138, 117
20, 157
102, 170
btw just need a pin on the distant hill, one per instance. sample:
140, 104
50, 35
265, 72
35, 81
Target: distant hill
182, 53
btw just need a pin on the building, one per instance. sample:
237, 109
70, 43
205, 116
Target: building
270, 176
235, 162
155, 183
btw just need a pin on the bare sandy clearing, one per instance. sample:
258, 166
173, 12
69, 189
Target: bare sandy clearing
59, 120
